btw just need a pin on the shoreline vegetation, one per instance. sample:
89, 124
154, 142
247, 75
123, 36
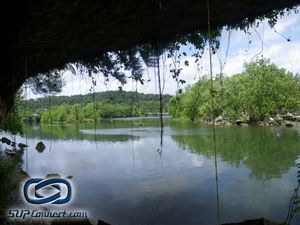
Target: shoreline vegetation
220, 121
262, 94
88, 108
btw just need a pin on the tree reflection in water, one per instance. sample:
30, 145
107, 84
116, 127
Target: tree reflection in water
294, 206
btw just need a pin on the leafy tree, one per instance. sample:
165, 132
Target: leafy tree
89, 111
76, 114
48, 83
108, 104
270, 90
13, 120
261, 91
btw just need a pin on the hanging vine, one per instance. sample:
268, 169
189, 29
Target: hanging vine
210, 51
221, 62
294, 204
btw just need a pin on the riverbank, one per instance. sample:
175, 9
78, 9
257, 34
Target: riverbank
11, 177
16, 201
288, 120
125, 162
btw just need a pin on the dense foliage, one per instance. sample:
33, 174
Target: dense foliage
113, 64
129, 64
88, 107
261, 91
8, 181
12, 122
49, 83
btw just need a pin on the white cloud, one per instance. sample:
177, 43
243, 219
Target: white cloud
287, 22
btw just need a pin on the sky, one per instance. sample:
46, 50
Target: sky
242, 48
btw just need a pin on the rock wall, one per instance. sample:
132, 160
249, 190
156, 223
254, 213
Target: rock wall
38, 36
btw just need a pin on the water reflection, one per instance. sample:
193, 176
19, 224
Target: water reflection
123, 180
268, 153
294, 205
76, 132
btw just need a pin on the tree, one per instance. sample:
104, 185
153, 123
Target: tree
76, 114
270, 90
261, 91
47, 84
103, 104
13, 121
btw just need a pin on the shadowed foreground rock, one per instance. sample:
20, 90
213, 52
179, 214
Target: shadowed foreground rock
42, 35
40, 147
261, 221
79, 222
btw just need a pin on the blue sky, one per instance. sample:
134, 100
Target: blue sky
275, 47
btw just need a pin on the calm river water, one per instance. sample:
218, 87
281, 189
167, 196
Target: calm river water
122, 176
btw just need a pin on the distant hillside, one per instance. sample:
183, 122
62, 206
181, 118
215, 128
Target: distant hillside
107, 104
113, 97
